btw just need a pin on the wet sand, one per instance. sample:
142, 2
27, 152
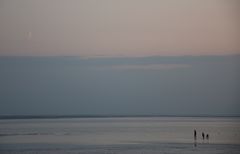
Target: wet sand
150, 135
141, 148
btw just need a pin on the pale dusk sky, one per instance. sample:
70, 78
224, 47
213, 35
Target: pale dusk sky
119, 27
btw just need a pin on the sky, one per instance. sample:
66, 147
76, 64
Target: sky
120, 57
119, 27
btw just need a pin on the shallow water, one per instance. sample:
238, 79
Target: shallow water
149, 133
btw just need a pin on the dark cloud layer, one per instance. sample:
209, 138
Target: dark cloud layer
153, 85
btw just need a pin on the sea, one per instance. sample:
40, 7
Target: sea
120, 135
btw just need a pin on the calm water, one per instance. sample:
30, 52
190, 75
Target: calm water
118, 131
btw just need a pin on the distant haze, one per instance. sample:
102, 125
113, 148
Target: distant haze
119, 27
180, 85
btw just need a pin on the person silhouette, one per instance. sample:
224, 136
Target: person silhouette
195, 138
203, 135
195, 134
207, 137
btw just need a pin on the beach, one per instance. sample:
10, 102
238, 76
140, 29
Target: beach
127, 135
157, 148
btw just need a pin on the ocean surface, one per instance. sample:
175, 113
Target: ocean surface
164, 135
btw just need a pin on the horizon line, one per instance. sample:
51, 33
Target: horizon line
59, 116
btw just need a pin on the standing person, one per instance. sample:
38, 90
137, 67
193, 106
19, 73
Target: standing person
195, 138
203, 135
207, 137
195, 134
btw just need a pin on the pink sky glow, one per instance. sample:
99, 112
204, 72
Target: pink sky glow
119, 28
